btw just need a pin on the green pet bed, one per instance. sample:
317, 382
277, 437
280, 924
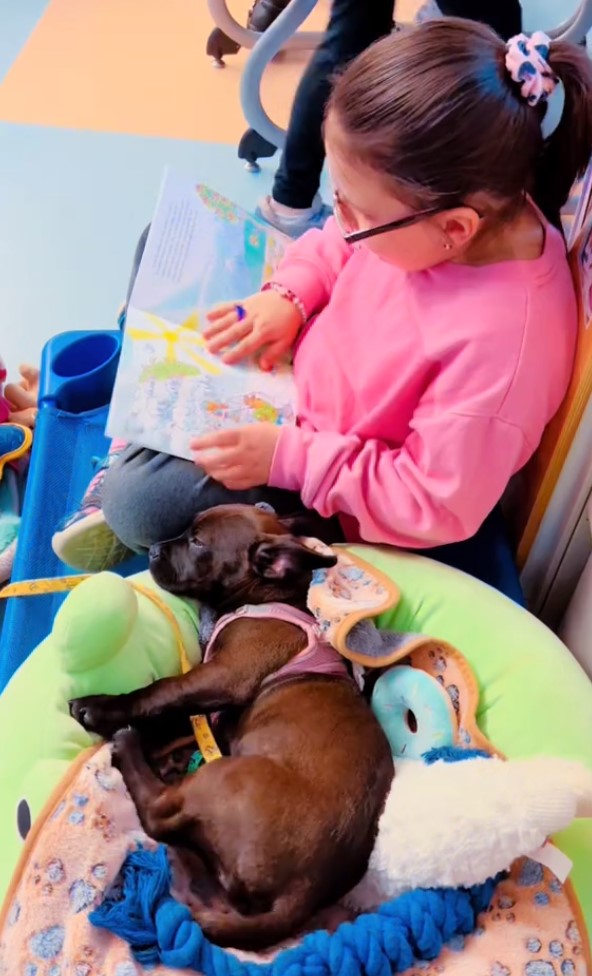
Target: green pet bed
109, 637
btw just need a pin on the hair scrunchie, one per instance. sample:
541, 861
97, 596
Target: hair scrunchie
526, 62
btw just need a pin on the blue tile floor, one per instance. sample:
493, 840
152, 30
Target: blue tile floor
72, 205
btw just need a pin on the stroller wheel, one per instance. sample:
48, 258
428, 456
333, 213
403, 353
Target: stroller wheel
219, 44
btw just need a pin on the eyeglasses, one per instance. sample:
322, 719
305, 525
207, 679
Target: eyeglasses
354, 237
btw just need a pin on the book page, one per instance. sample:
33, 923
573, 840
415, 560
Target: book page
201, 250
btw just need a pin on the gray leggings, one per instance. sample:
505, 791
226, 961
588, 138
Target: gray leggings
148, 497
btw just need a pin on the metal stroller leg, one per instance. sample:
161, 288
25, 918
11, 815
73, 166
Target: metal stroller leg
575, 28
229, 32
264, 135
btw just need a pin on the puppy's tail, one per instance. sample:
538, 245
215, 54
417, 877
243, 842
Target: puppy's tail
226, 926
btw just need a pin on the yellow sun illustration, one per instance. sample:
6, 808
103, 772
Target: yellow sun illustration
177, 340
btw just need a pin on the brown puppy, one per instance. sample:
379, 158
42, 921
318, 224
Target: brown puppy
284, 824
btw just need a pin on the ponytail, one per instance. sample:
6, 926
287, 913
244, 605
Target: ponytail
567, 151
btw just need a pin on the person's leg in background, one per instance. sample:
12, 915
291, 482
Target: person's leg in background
505, 16
294, 205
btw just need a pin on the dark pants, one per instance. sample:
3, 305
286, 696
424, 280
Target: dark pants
505, 16
353, 26
148, 497
488, 556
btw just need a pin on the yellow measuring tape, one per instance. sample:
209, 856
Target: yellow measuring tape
64, 584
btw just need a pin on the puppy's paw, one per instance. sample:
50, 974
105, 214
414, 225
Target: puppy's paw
124, 741
100, 714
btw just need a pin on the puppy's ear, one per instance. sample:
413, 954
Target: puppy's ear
309, 525
285, 559
300, 525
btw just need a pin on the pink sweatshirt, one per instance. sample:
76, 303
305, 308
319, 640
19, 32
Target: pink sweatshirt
420, 394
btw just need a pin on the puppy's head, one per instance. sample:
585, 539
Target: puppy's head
237, 554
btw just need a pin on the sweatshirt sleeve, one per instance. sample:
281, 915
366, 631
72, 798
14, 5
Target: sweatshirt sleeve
311, 265
437, 488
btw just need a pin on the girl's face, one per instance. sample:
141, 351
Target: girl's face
363, 201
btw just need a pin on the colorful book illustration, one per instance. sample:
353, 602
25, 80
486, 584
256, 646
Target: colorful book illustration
201, 250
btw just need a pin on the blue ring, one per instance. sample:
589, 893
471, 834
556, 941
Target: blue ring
241, 312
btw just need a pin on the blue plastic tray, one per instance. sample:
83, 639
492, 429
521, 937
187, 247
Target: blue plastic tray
77, 375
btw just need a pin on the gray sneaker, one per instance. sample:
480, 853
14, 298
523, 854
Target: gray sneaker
294, 226
84, 540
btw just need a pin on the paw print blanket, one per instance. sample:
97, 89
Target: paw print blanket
75, 851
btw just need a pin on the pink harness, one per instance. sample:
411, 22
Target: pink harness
318, 657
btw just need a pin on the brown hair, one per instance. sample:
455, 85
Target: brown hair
434, 107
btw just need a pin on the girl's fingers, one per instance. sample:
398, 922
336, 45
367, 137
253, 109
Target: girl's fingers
18, 397
228, 336
213, 469
220, 472
30, 374
210, 461
242, 350
225, 322
273, 354
218, 438
235, 479
220, 310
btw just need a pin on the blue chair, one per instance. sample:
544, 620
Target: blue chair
77, 375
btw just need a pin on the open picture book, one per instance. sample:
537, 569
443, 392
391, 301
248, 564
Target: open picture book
201, 250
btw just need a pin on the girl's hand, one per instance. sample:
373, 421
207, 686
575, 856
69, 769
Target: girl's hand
239, 459
271, 321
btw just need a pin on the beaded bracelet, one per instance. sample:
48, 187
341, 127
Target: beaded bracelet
289, 295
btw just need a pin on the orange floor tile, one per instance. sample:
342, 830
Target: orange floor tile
138, 67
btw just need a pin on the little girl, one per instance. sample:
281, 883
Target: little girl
432, 321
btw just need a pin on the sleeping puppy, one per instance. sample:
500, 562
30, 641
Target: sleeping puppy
284, 824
